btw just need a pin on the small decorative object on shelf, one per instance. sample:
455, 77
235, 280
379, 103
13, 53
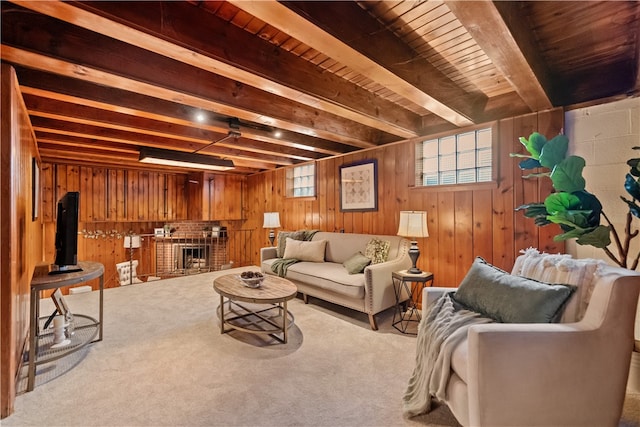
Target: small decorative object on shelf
59, 334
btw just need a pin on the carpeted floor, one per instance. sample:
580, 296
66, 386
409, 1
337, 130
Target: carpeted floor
163, 361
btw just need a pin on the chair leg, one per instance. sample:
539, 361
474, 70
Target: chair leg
372, 322
305, 298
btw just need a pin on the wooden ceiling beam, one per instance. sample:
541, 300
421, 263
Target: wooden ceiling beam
174, 30
74, 91
105, 61
143, 140
514, 58
336, 30
97, 76
258, 63
66, 111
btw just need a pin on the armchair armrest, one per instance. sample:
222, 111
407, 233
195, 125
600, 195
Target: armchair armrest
431, 295
514, 370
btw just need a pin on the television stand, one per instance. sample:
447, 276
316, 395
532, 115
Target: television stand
87, 329
61, 269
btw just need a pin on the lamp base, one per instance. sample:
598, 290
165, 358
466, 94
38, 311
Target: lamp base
272, 237
414, 254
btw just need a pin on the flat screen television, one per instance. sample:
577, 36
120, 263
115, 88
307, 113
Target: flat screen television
66, 259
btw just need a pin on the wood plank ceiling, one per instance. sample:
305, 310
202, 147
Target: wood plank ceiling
302, 80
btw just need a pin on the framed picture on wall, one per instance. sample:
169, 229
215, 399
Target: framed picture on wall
359, 186
35, 188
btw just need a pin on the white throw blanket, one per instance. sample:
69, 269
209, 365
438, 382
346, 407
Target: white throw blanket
442, 328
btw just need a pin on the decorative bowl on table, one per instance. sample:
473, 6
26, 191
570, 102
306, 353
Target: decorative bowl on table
251, 279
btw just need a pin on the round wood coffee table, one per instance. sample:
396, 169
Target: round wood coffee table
274, 292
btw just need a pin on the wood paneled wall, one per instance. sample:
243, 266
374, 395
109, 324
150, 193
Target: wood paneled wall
115, 195
20, 233
463, 223
121, 201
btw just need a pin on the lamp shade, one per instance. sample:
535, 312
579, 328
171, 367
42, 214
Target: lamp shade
132, 241
413, 224
271, 220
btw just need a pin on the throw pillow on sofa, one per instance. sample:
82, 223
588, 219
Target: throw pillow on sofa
511, 299
282, 240
377, 250
356, 263
305, 251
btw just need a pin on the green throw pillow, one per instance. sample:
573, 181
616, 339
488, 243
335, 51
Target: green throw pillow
377, 250
356, 263
511, 299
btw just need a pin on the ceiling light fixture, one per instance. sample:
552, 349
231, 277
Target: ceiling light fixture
159, 156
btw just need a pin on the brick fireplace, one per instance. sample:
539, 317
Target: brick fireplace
190, 249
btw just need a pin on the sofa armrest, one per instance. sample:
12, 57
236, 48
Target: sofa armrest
378, 282
268, 253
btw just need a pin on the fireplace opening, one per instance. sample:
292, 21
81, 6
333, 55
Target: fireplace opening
193, 257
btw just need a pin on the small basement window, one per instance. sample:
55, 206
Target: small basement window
301, 181
462, 158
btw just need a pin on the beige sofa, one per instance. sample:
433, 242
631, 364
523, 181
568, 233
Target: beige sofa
549, 374
369, 292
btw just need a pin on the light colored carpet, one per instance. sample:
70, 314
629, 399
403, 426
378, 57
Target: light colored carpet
163, 361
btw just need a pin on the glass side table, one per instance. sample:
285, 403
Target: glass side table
405, 283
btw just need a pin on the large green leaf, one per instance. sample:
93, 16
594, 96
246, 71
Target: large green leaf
532, 210
534, 144
554, 151
632, 186
599, 237
560, 202
571, 234
571, 219
567, 175
529, 164
633, 207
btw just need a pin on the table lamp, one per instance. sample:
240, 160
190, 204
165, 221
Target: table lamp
271, 221
413, 224
131, 241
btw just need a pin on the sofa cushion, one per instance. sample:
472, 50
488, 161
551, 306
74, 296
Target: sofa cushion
511, 299
356, 263
329, 276
377, 250
282, 240
305, 251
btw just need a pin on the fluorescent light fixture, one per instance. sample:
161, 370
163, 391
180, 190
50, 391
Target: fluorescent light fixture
159, 156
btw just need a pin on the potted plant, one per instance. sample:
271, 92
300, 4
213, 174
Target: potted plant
579, 213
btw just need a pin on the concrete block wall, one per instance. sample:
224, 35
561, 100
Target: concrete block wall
604, 135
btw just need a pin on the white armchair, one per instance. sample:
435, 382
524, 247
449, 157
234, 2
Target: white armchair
127, 272
555, 374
